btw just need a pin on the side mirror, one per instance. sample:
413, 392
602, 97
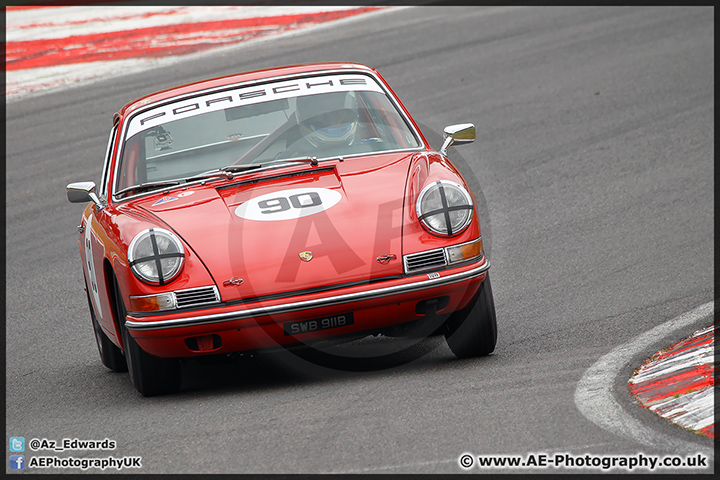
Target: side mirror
457, 135
83, 192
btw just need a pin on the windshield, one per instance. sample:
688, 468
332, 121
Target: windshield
327, 116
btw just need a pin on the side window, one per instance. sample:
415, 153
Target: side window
106, 164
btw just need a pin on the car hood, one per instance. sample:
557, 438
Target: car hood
294, 229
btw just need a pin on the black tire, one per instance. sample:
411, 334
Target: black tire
110, 354
150, 375
472, 331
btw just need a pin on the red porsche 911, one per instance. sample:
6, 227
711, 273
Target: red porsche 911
276, 208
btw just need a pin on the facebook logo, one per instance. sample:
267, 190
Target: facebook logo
17, 462
17, 444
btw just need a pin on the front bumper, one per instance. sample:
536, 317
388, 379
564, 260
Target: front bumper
260, 325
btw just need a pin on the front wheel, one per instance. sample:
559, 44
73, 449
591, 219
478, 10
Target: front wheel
150, 375
472, 331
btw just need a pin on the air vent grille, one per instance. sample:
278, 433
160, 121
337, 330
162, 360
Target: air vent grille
196, 296
432, 259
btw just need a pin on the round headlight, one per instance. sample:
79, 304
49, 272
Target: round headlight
444, 208
156, 256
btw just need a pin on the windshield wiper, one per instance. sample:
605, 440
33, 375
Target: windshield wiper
172, 183
241, 168
311, 160
251, 166
220, 172
149, 186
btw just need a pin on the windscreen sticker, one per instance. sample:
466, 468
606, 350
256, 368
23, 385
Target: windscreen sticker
288, 204
164, 200
249, 95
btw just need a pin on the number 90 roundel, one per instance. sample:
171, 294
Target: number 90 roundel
288, 204
275, 208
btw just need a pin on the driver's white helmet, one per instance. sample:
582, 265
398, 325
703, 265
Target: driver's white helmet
328, 119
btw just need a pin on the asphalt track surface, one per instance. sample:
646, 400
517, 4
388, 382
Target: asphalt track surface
594, 171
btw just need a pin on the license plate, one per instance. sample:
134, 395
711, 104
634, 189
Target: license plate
314, 325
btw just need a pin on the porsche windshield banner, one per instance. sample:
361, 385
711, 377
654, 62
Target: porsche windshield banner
249, 95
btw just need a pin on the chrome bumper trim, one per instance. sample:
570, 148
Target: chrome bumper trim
306, 304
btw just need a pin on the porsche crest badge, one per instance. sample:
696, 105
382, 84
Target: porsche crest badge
306, 256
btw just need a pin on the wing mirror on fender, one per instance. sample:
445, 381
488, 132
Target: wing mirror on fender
457, 135
83, 192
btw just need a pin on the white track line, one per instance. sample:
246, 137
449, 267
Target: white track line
594, 398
